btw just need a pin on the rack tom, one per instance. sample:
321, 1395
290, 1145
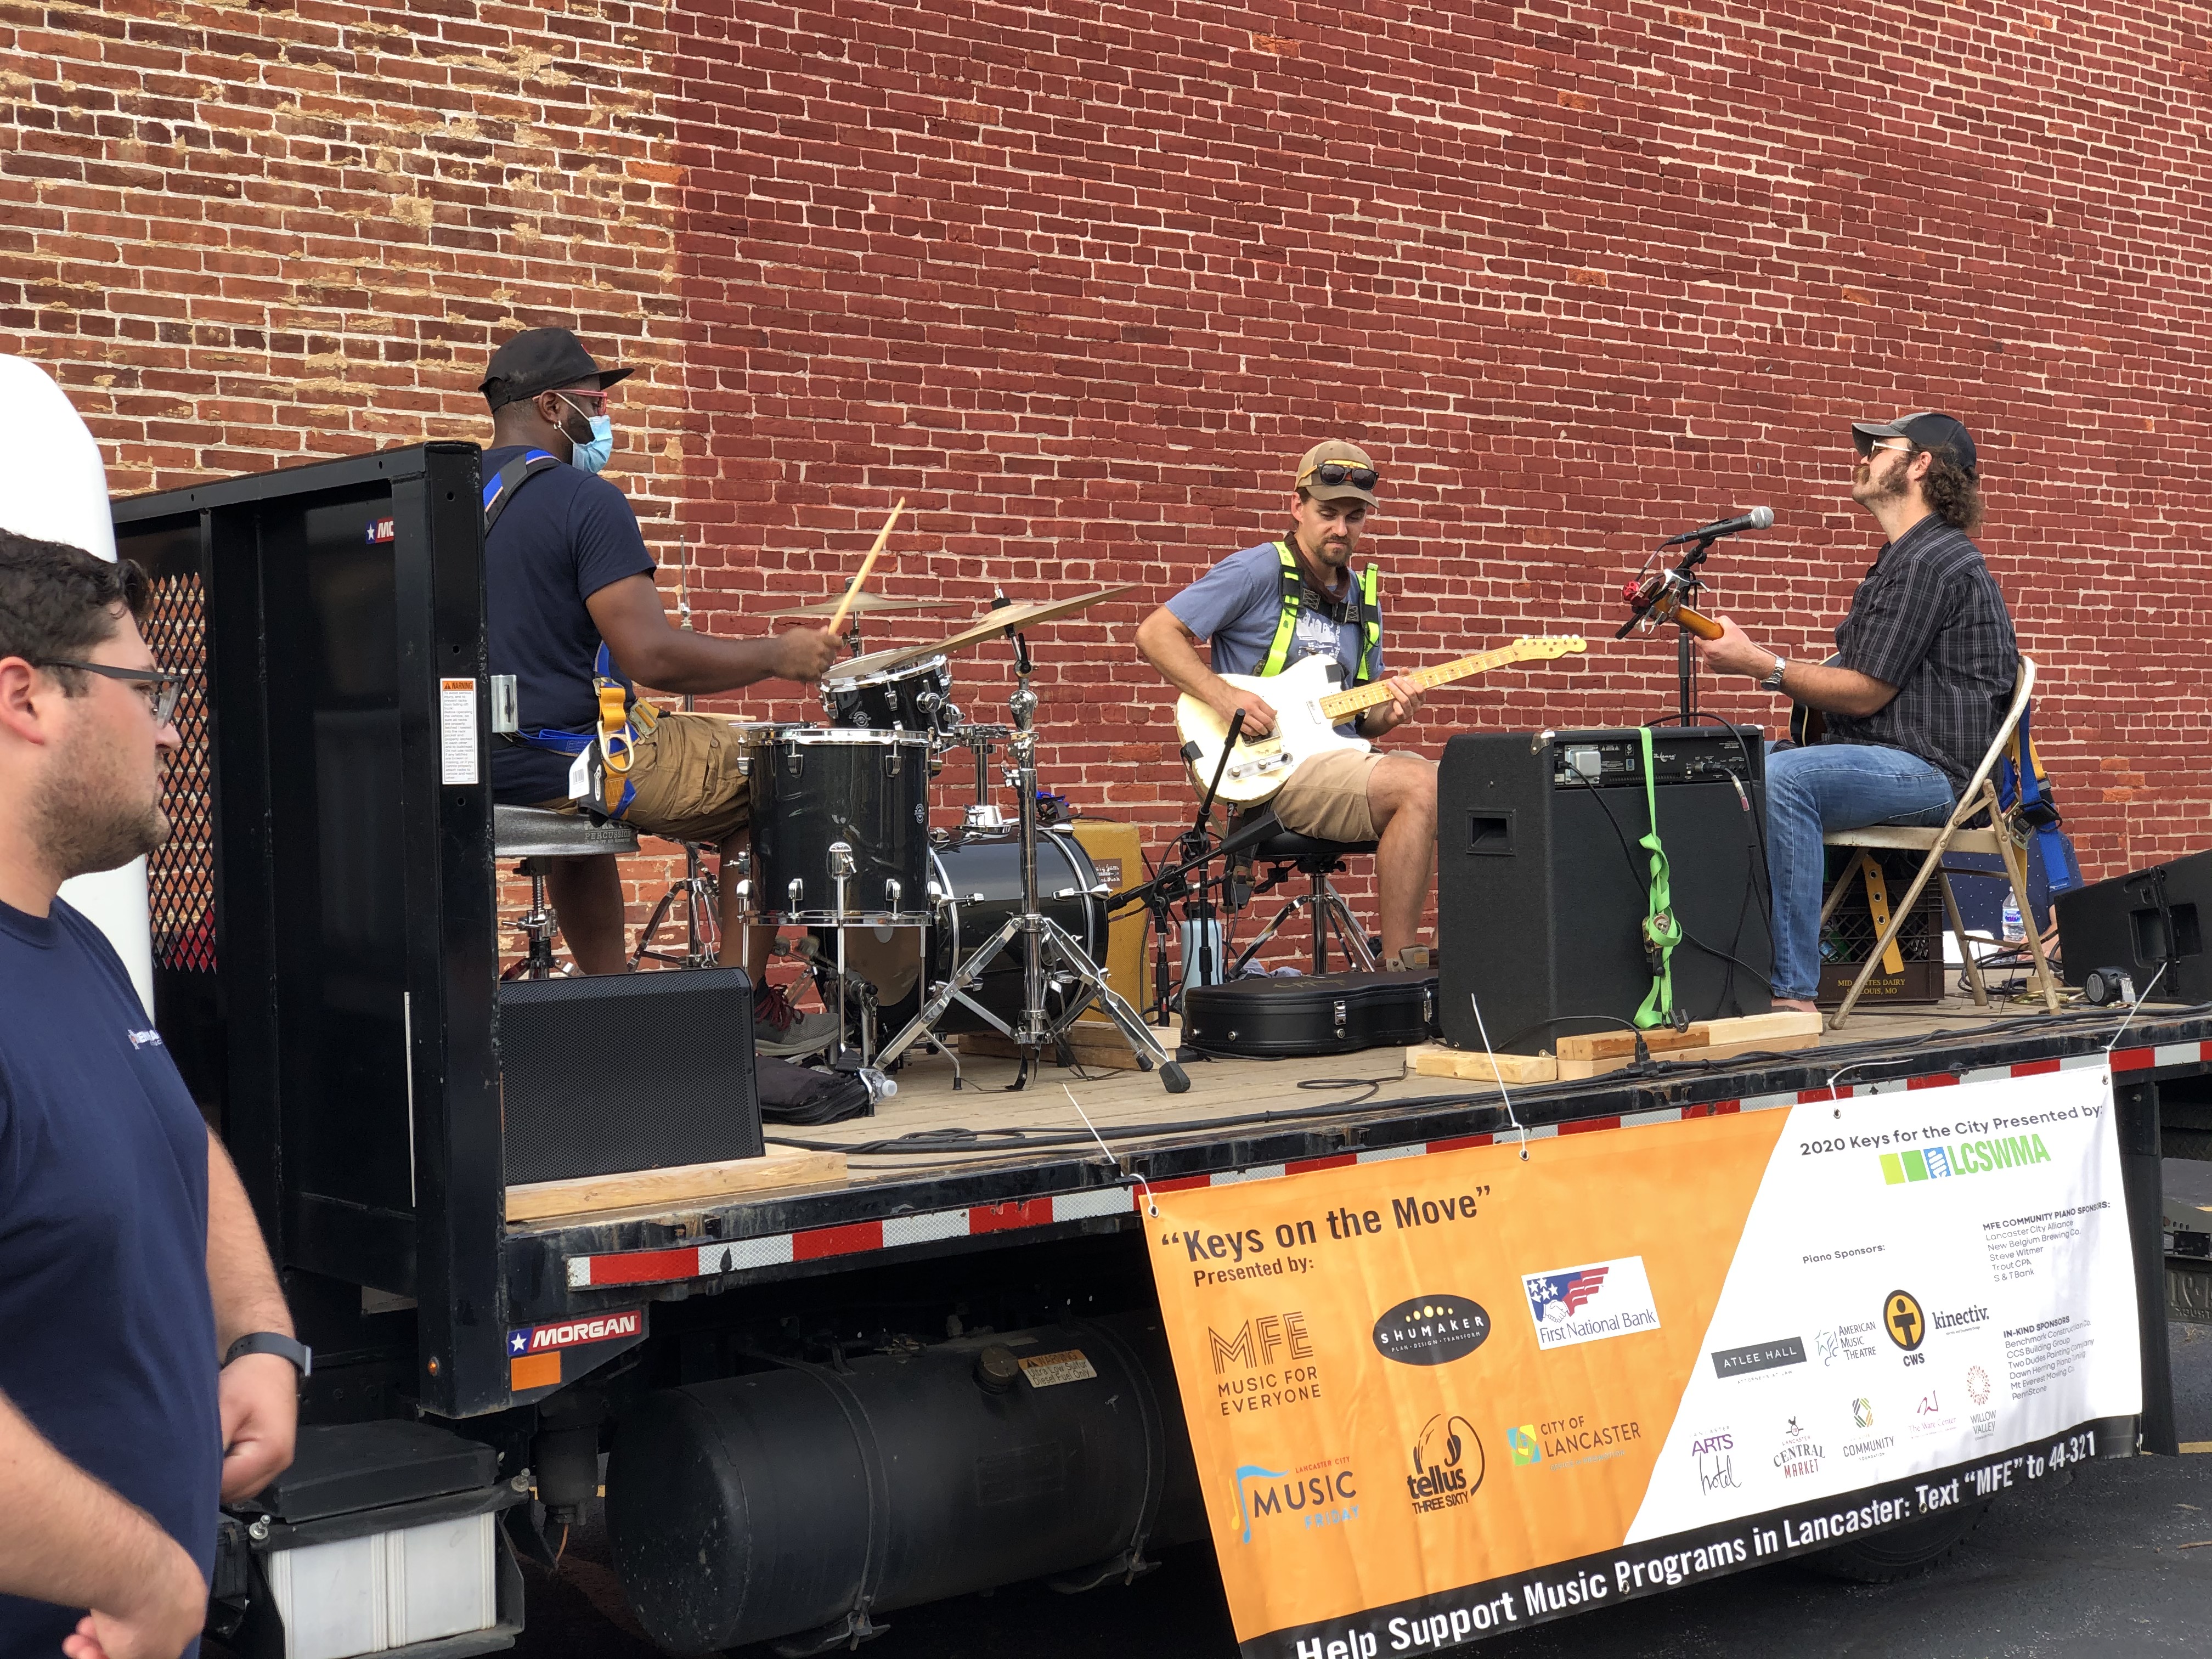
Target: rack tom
816, 789
915, 697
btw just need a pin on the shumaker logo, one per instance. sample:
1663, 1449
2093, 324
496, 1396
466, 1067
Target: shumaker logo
1944, 1158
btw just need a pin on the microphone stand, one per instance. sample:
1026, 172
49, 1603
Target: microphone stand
1678, 586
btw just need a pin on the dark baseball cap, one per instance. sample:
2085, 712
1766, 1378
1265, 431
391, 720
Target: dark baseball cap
541, 360
1938, 434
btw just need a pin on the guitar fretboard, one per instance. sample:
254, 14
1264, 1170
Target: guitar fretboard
1338, 704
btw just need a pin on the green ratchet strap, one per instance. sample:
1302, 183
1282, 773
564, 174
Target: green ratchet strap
1661, 932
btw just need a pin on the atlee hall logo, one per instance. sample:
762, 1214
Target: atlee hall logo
1590, 1303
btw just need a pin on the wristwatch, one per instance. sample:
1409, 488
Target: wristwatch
284, 1347
1773, 681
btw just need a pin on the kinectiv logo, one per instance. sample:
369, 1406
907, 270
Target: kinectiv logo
1958, 1157
1324, 1494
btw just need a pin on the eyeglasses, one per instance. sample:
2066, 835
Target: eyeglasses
160, 689
592, 403
1333, 473
1867, 446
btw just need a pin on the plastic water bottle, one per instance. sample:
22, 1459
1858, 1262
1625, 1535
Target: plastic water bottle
2013, 928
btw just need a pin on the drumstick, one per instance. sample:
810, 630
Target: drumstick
867, 565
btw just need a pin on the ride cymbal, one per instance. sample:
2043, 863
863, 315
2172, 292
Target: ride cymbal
992, 624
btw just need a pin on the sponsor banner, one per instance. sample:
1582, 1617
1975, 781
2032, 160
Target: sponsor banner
1433, 1398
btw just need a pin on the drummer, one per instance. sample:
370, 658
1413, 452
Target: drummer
572, 607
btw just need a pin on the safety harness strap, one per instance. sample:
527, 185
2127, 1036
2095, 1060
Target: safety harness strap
1286, 617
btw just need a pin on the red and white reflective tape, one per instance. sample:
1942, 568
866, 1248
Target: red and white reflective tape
716, 1257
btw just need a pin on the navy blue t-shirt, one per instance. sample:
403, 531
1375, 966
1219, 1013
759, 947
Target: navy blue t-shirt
110, 1344
562, 536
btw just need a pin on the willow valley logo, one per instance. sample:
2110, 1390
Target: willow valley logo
1431, 1330
1801, 1453
1448, 1465
1315, 1496
1264, 1362
1590, 1303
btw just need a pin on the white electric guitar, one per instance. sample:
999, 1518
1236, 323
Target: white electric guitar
1307, 711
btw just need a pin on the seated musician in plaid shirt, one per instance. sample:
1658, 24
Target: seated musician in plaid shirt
1920, 682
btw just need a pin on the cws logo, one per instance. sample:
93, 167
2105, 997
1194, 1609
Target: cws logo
1590, 1303
1323, 1494
1905, 1322
573, 1332
1943, 1159
1254, 1348
1448, 1465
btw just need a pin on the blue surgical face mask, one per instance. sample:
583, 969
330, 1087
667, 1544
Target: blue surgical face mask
591, 457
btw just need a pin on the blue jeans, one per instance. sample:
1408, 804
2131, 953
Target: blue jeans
1832, 786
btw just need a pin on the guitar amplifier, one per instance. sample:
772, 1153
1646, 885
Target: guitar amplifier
622, 1071
1542, 888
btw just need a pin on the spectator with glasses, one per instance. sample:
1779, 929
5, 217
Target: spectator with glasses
148, 1366
1262, 610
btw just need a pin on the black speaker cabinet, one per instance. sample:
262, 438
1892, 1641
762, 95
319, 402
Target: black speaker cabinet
622, 1072
2140, 922
1541, 886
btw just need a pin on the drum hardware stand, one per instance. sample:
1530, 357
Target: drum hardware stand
537, 926
1039, 934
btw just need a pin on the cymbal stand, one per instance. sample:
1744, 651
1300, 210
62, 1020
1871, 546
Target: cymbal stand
1041, 937
703, 923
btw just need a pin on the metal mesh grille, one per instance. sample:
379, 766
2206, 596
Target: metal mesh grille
180, 874
1851, 932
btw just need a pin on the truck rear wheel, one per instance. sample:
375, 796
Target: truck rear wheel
1903, 1551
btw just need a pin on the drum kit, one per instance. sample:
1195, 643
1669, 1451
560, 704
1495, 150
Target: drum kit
999, 924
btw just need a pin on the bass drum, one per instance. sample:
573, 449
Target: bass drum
975, 884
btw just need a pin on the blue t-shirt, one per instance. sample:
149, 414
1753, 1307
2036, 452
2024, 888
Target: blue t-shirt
110, 1336
1234, 607
562, 536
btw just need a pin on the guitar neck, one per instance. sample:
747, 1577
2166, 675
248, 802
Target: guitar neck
1338, 704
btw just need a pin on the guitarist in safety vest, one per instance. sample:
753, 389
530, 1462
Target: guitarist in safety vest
1920, 682
573, 613
1268, 607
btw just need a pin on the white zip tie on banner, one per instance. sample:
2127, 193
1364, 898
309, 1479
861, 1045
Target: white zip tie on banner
1151, 1209
2133, 1007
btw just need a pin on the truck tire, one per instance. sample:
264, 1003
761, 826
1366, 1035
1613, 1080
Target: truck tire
1901, 1551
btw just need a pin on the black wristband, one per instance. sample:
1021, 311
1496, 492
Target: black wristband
284, 1347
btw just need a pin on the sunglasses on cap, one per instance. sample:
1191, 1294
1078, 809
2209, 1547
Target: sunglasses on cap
1333, 473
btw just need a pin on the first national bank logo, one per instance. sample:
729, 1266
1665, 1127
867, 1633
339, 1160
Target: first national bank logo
1590, 1303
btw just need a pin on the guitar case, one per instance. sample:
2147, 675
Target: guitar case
1311, 1015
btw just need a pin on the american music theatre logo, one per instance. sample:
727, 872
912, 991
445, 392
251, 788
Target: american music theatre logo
1590, 1303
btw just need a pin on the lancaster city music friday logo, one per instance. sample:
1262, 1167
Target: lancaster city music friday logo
1590, 1303
1313, 1495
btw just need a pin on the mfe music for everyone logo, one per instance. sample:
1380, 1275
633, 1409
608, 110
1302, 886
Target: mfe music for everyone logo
1590, 1303
1266, 1362
1431, 1330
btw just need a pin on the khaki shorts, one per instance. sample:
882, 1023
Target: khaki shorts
688, 788
1326, 797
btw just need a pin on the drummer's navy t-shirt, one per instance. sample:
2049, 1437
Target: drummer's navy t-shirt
107, 1336
562, 536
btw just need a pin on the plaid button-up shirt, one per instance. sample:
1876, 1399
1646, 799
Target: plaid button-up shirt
1928, 620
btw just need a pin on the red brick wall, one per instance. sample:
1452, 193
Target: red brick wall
1080, 284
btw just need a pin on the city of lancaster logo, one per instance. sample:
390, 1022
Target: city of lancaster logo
1940, 1160
1903, 1318
1323, 1494
1564, 1441
1448, 1465
1590, 1303
1266, 1362
1801, 1453
1431, 1330
1525, 1448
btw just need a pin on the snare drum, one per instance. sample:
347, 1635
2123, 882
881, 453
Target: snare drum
813, 786
917, 697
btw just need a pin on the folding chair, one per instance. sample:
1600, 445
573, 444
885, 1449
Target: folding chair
1979, 796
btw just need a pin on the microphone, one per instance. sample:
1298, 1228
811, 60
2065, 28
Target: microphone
1758, 519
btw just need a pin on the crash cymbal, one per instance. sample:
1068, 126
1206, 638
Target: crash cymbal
991, 625
864, 603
